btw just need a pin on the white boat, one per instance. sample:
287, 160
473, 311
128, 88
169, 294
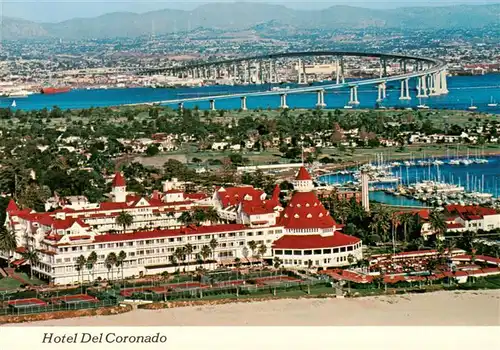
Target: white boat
18, 94
13, 105
492, 103
472, 107
454, 162
347, 107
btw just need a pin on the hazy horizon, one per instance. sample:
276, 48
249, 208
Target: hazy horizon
61, 10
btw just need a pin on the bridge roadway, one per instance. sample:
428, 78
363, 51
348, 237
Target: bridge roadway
438, 66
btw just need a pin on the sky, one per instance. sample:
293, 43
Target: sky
60, 10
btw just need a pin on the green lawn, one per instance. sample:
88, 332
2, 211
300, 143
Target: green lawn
9, 283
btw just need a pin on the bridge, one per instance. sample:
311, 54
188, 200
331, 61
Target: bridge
429, 72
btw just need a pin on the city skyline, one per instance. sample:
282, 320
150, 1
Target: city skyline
57, 11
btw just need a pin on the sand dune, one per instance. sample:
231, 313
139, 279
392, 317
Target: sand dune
478, 308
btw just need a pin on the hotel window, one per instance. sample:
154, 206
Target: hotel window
327, 251
130, 244
288, 252
111, 245
297, 252
58, 261
207, 236
242, 243
307, 252
171, 239
101, 246
260, 233
242, 234
249, 234
67, 259
317, 251
278, 252
342, 249
179, 239
317, 262
91, 247
74, 248
131, 254
349, 248
140, 243
120, 244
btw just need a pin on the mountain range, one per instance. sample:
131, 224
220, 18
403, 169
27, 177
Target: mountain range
239, 16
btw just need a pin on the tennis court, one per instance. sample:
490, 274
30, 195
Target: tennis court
26, 303
276, 280
74, 299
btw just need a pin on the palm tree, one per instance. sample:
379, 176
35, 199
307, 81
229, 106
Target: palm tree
91, 261
405, 219
437, 222
245, 252
198, 216
211, 215
205, 252
110, 262
120, 259
188, 249
213, 244
124, 219
262, 250
8, 242
350, 259
180, 253
277, 262
252, 245
450, 245
33, 258
80, 263
186, 218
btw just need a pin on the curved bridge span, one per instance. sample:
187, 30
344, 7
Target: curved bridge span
430, 73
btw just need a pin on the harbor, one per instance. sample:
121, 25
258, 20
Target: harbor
469, 180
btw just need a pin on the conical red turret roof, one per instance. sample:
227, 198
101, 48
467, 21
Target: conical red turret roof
305, 211
119, 180
303, 175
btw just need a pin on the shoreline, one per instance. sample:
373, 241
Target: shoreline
460, 308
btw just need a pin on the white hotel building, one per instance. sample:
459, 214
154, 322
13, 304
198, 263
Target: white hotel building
299, 234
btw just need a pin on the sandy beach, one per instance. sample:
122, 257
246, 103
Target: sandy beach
475, 308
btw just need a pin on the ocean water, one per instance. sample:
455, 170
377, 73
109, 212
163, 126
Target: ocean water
462, 89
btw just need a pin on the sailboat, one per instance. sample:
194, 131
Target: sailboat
472, 107
13, 105
492, 103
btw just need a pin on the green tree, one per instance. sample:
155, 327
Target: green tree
8, 242
120, 259
437, 222
213, 244
188, 248
80, 264
110, 262
124, 219
32, 257
91, 261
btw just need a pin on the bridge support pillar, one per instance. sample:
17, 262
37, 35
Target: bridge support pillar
444, 83
321, 99
432, 85
212, 105
304, 71
380, 91
337, 71
299, 72
283, 104
423, 80
405, 90
354, 96
243, 103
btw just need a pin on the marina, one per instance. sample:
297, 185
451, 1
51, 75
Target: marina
434, 182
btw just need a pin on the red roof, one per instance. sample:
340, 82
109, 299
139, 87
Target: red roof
235, 195
192, 230
119, 180
305, 211
303, 175
470, 212
12, 206
314, 241
454, 225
